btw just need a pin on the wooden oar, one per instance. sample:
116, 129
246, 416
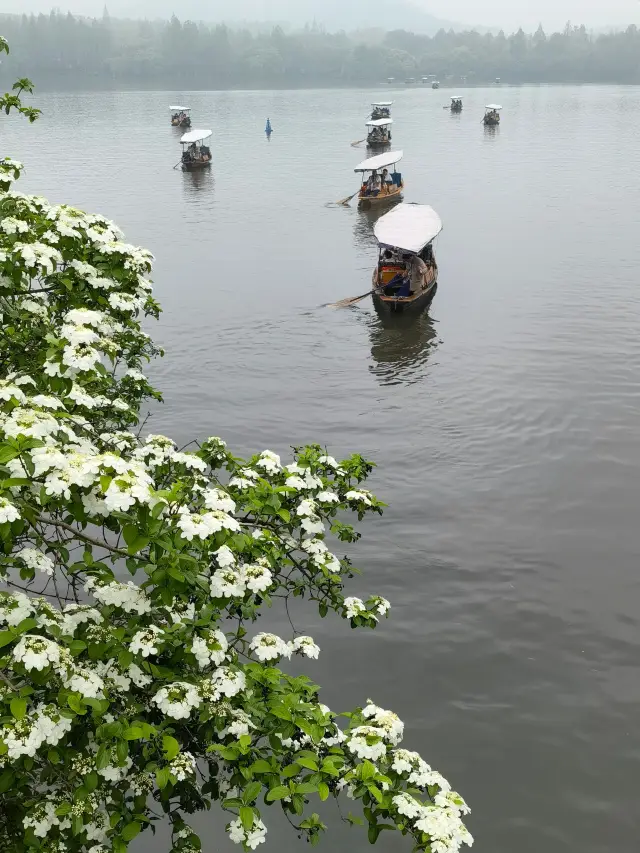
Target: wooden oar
357, 142
348, 198
345, 303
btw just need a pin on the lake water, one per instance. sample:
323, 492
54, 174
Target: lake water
505, 421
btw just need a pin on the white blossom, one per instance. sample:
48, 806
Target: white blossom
217, 499
211, 648
146, 642
354, 607
177, 700
36, 652
258, 578
251, 839
305, 646
36, 560
367, 742
269, 647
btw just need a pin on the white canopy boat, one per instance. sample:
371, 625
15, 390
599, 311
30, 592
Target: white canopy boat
381, 185
407, 273
195, 154
381, 109
180, 116
492, 115
379, 132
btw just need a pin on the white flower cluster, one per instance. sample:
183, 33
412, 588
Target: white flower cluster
231, 581
42, 819
36, 560
125, 596
177, 700
252, 838
389, 722
441, 821
183, 766
210, 648
43, 725
269, 647
146, 642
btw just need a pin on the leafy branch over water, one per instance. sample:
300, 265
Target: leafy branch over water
123, 702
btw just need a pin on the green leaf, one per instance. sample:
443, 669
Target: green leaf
261, 766
367, 771
18, 708
251, 792
131, 830
122, 751
277, 793
323, 791
76, 704
306, 788
103, 758
6, 637
130, 533
91, 782
119, 846
6, 781
170, 747
77, 825
373, 833
308, 762
375, 792
246, 816
133, 733
162, 777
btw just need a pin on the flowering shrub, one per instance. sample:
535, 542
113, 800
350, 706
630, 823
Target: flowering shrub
122, 701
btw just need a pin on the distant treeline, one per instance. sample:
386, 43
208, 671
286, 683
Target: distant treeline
63, 50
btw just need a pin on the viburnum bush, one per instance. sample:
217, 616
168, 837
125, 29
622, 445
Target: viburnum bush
135, 682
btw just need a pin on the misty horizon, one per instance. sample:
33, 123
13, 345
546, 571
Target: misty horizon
416, 15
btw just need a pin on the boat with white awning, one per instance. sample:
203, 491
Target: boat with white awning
379, 184
492, 115
195, 154
180, 116
379, 132
406, 274
456, 103
381, 109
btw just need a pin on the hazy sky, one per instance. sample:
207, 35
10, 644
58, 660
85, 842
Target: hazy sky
528, 13
509, 14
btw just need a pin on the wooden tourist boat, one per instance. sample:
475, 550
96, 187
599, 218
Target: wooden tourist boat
378, 185
381, 109
379, 132
435, 84
456, 104
180, 116
492, 115
195, 154
406, 274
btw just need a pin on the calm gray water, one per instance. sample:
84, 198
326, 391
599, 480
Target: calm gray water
505, 421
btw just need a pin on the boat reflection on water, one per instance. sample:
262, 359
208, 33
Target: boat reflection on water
198, 180
401, 345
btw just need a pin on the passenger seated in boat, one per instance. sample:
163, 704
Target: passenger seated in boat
386, 181
416, 269
373, 184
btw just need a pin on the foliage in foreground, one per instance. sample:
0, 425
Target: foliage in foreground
125, 701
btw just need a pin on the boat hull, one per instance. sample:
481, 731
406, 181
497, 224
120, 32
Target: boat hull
368, 201
491, 122
412, 302
195, 166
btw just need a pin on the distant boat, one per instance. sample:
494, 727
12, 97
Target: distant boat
180, 116
391, 80
435, 84
268, 129
410, 81
456, 104
381, 109
492, 115
195, 154
405, 236
498, 81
